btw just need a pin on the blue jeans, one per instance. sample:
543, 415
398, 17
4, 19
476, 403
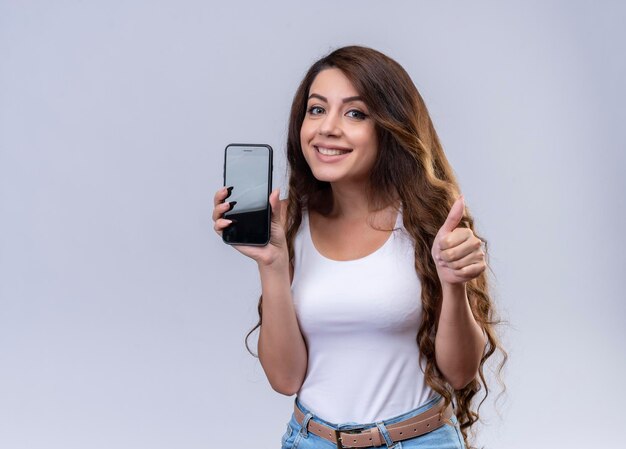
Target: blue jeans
445, 437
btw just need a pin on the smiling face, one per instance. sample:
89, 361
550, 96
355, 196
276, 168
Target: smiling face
338, 137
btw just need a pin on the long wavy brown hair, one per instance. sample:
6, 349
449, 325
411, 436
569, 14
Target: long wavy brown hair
411, 167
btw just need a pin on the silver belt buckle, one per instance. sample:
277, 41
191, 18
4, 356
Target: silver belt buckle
338, 433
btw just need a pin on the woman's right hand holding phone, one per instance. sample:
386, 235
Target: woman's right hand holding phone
275, 252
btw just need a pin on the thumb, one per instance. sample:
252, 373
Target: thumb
454, 216
276, 206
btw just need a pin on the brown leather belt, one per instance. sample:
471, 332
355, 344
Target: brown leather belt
425, 422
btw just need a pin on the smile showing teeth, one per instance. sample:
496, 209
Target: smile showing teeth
331, 151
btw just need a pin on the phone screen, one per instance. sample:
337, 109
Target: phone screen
248, 169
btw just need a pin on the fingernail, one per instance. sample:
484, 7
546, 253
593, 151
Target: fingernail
231, 204
229, 190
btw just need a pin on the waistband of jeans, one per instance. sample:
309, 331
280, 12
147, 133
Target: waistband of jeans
434, 400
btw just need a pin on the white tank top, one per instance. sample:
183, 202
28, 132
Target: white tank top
360, 320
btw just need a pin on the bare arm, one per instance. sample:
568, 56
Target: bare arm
281, 347
458, 256
282, 350
459, 342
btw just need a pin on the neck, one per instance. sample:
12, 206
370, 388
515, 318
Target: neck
350, 200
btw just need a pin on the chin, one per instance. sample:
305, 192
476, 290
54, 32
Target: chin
325, 175
326, 178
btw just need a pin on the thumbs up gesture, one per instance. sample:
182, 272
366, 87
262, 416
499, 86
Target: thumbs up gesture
457, 252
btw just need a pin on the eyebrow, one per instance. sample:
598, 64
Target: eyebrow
345, 100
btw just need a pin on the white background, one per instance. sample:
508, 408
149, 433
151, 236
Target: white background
122, 315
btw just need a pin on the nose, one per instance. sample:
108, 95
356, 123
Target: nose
330, 125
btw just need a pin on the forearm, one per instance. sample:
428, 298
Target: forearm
459, 343
282, 350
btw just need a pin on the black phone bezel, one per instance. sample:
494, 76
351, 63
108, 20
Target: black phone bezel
269, 188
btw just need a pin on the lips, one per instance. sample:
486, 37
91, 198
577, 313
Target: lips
330, 155
331, 150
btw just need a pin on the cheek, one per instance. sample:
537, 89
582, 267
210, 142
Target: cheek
305, 138
307, 131
369, 142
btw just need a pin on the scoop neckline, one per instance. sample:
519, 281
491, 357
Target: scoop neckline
396, 226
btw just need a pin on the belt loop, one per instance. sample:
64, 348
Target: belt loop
305, 424
383, 431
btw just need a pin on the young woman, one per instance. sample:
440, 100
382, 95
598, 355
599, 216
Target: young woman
375, 308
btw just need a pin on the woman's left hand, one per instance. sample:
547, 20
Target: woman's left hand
457, 252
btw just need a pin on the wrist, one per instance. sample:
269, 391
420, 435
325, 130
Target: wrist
449, 289
275, 264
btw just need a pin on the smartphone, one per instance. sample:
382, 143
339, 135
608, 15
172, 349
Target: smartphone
248, 169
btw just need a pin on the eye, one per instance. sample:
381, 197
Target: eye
315, 110
356, 114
